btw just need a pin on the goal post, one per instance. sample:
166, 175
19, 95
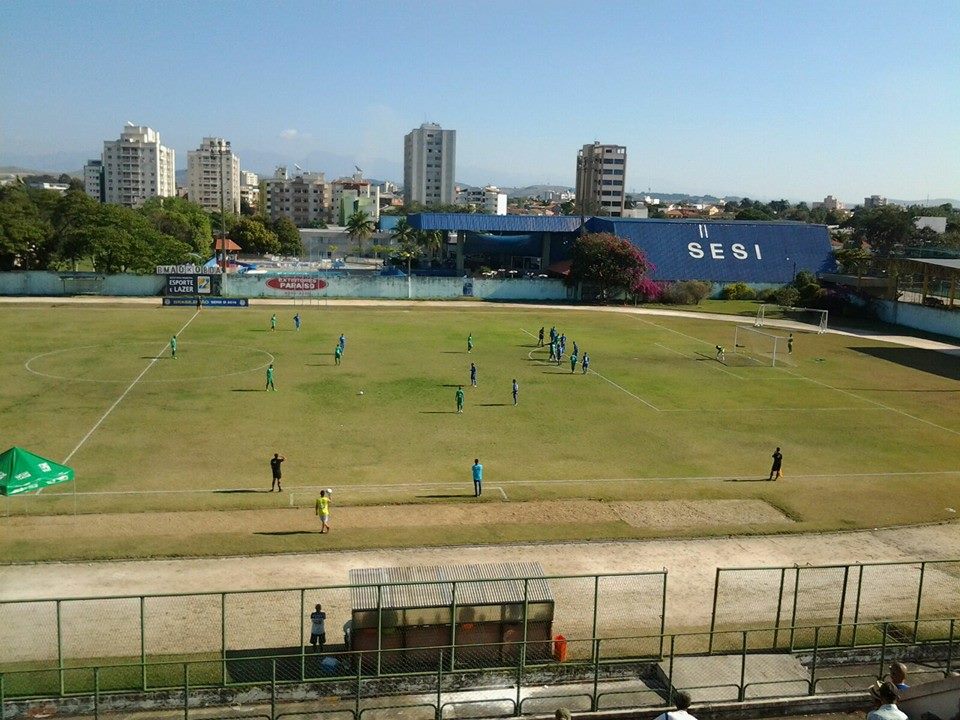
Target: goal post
757, 347
807, 316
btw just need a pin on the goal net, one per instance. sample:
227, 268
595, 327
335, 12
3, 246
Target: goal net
806, 316
756, 347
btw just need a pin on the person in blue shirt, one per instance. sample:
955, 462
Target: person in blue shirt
516, 391
585, 363
296, 321
576, 350
473, 374
343, 342
477, 477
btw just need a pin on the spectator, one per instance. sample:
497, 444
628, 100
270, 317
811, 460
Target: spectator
898, 676
887, 695
682, 700
563, 714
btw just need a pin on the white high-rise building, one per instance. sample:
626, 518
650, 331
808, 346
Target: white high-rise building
137, 167
213, 176
93, 179
601, 179
489, 200
429, 165
305, 198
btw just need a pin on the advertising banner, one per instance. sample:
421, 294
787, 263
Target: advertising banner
192, 285
294, 283
206, 302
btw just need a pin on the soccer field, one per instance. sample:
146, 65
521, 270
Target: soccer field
861, 423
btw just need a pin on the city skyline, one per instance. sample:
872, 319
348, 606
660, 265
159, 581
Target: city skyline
763, 100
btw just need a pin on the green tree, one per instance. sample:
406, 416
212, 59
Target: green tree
882, 228
183, 220
254, 237
432, 242
25, 231
74, 219
608, 262
288, 236
402, 232
360, 227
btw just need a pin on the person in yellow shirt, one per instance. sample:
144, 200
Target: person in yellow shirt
323, 511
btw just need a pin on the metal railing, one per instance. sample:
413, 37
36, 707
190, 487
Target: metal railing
516, 678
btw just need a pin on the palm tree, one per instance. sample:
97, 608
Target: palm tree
432, 242
359, 228
403, 233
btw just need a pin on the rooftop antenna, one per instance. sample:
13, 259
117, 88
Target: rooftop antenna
130, 124
298, 167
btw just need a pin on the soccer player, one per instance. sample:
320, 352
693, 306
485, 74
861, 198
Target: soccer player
573, 361
585, 363
273, 321
516, 391
477, 477
720, 355
318, 631
553, 349
275, 471
790, 344
470, 342
270, 385
576, 350
473, 375
342, 342
337, 352
296, 321
540, 337
173, 347
323, 511
459, 396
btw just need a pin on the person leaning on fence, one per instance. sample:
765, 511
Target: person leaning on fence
898, 676
563, 714
886, 695
681, 699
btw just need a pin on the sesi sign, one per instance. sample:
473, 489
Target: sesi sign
718, 251
296, 284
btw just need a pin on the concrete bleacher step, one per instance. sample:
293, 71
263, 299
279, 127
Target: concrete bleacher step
716, 678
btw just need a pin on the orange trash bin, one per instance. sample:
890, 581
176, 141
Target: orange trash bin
560, 648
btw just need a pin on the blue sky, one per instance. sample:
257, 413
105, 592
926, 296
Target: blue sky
765, 99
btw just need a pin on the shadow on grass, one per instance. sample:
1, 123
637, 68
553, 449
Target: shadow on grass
290, 532
750, 480
247, 390
493, 404
452, 352
438, 412
454, 385
156, 357
928, 361
239, 491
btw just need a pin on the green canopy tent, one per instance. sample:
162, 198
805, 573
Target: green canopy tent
22, 471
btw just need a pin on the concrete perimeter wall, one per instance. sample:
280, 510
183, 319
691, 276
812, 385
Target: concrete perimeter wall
38, 283
401, 288
919, 317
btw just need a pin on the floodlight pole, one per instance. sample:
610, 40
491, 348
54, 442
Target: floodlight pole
223, 226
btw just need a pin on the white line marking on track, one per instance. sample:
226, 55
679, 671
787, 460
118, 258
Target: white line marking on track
124, 393
594, 372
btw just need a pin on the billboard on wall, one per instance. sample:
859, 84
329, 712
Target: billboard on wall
191, 285
296, 284
725, 251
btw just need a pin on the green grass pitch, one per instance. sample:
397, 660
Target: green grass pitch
659, 416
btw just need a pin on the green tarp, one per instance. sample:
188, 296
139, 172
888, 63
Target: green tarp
22, 471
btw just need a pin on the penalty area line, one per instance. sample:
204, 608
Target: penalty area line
619, 387
124, 393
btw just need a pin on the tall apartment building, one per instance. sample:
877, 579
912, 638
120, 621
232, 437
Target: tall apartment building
137, 167
874, 201
250, 188
429, 165
601, 179
93, 179
352, 194
213, 176
305, 198
489, 200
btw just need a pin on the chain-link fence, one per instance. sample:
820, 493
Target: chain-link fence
783, 598
492, 680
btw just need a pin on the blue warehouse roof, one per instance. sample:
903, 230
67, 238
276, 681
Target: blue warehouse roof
725, 250
495, 223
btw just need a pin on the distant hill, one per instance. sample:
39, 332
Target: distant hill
532, 190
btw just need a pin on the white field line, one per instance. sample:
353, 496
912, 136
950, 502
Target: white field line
875, 402
619, 387
466, 485
715, 366
124, 393
772, 408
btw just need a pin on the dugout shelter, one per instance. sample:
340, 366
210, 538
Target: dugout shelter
485, 612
